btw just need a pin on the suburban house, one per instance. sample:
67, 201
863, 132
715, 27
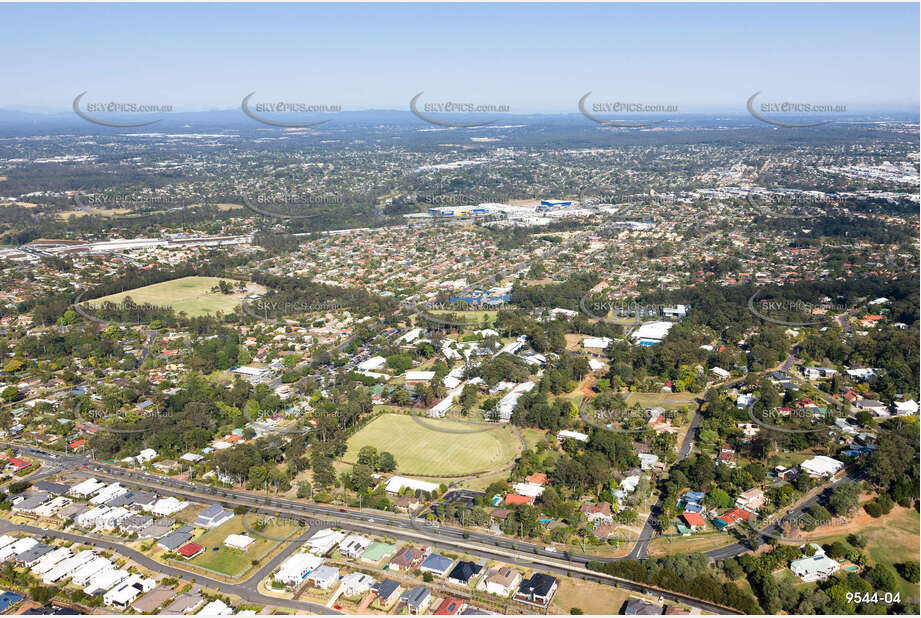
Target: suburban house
501, 581
417, 600
751, 500
729, 518
408, 558
463, 572
295, 569
190, 550
436, 564
356, 584
449, 607
600, 512
406, 504
877, 408
354, 545
537, 590
694, 521
822, 466
638, 607
323, 577
388, 592
212, 517
815, 567
323, 541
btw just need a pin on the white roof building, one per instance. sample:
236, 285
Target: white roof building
49, 560
648, 460
822, 466
296, 568
356, 584
397, 483
905, 408
354, 545
168, 506
105, 580
596, 343
238, 541
566, 313
418, 376
563, 434
107, 493
127, 591
372, 364
411, 336
532, 490
323, 541
14, 549
86, 488
652, 331
146, 455
510, 400
216, 608
67, 567
89, 570
815, 567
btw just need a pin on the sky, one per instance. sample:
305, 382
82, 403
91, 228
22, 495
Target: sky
532, 57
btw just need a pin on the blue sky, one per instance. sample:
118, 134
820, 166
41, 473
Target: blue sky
532, 57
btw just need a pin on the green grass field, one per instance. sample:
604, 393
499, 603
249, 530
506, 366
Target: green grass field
421, 450
233, 562
191, 295
669, 401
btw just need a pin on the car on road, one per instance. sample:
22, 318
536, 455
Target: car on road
552, 550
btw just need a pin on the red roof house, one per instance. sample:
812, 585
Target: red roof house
449, 607
694, 520
190, 550
516, 500
538, 478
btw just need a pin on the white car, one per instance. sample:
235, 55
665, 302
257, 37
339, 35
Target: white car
550, 549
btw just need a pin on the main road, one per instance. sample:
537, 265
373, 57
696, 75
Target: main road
369, 521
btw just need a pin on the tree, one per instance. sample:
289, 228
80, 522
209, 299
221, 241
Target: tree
844, 498
882, 577
362, 477
367, 456
324, 475
719, 498
909, 571
386, 462
304, 489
